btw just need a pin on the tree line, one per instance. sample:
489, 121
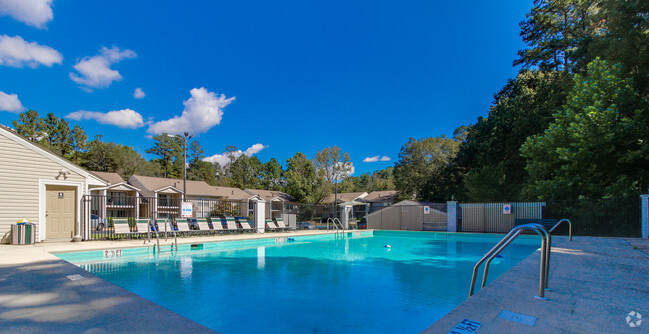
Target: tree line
307, 180
573, 124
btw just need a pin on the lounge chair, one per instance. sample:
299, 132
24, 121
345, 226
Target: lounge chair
183, 226
281, 225
203, 226
217, 225
270, 225
232, 224
143, 227
245, 225
121, 227
165, 226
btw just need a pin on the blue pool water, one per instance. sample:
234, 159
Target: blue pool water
312, 284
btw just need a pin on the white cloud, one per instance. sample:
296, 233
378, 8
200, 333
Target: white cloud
223, 159
377, 158
139, 93
10, 102
31, 12
202, 111
16, 52
125, 118
351, 169
96, 72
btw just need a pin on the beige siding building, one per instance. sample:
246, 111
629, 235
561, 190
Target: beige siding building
275, 201
41, 186
118, 200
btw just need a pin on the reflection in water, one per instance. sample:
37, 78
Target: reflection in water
186, 267
402, 290
261, 257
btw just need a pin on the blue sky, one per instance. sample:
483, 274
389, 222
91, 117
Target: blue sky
271, 77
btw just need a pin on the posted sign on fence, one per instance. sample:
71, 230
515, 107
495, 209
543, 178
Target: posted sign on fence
186, 210
507, 209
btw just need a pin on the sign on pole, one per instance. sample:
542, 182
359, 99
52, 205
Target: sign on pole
186, 210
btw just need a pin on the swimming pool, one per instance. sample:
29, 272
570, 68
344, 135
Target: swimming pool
323, 284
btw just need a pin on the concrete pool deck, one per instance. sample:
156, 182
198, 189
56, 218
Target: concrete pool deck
36, 296
596, 282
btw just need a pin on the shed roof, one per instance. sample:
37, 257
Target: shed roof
382, 196
345, 197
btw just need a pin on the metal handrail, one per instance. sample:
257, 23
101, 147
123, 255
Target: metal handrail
569, 227
515, 232
172, 230
339, 223
545, 256
547, 268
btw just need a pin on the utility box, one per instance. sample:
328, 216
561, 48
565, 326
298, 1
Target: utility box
23, 234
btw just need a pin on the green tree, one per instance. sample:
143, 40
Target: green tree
198, 169
333, 164
489, 165
272, 177
98, 156
50, 127
421, 165
246, 172
30, 125
127, 161
302, 181
624, 39
79, 141
168, 149
63, 143
556, 33
596, 147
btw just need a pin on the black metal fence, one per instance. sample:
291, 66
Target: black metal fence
615, 217
99, 212
618, 217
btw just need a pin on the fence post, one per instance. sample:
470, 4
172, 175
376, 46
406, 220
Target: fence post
644, 199
451, 216
260, 214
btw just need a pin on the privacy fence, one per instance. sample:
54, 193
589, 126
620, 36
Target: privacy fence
425, 217
619, 217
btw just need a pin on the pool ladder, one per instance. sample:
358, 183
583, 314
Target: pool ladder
157, 237
338, 226
546, 249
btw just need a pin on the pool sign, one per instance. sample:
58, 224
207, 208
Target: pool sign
186, 210
427, 210
507, 209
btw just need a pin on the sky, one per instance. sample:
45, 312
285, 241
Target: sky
270, 77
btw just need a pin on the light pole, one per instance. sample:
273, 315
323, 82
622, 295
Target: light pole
186, 137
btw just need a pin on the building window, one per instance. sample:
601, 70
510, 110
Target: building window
164, 200
117, 198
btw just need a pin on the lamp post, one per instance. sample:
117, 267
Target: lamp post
186, 137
